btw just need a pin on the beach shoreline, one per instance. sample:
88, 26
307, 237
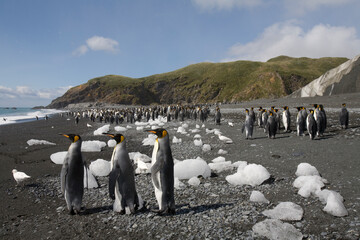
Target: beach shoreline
213, 209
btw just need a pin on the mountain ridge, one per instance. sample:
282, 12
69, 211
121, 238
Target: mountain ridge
203, 82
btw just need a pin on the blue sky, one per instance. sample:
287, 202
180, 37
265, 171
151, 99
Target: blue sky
48, 46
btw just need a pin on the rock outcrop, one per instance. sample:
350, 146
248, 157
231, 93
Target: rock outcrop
340, 80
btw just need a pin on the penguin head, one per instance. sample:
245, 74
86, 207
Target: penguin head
315, 105
311, 111
73, 137
247, 110
276, 110
321, 107
159, 132
117, 137
344, 104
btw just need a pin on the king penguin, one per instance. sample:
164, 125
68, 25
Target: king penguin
311, 124
162, 172
248, 125
286, 118
121, 179
300, 122
72, 175
344, 117
271, 125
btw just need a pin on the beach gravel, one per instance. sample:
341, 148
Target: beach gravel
215, 209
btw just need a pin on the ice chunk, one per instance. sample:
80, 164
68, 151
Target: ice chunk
58, 158
111, 143
258, 197
178, 184
324, 194
309, 185
221, 166
198, 142
92, 146
181, 130
221, 152
197, 126
89, 179
100, 167
191, 168
334, 204
286, 211
194, 181
39, 142
225, 139
197, 136
176, 140
252, 174
137, 156
195, 130
120, 129
275, 229
240, 165
150, 140
206, 147
305, 169
140, 128
143, 167
101, 130
218, 159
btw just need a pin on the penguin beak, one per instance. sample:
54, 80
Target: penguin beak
151, 131
110, 135
64, 135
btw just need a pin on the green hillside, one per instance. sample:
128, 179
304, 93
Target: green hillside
204, 82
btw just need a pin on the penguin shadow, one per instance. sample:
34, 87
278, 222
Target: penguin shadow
90, 211
279, 137
199, 209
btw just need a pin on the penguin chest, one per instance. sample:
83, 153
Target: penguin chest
158, 191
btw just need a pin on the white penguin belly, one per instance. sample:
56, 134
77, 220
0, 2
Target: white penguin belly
158, 191
117, 203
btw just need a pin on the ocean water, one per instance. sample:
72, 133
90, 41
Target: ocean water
18, 115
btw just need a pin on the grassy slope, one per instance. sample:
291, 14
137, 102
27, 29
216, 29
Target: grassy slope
204, 82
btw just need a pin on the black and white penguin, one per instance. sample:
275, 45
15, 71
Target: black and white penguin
260, 122
248, 125
72, 175
271, 125
162, 172
311, 124
344, 117
286, 118
320, 118
264, 118
300, 121
122, 179
217, 116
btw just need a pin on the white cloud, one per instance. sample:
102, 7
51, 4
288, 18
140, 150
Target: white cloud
81, 50
25, 92
226, 4
301, 7
290, 39
97, 43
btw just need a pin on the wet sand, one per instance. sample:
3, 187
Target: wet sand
215, 209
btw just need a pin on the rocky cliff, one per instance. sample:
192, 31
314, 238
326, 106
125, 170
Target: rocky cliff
340, 80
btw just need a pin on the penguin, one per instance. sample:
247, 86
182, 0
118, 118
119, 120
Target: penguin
248, 125
122, 179
271, 125
217, 116
311, 124
264, 117
344, 117
276, 114
252, 115
72, 175
162, 172
320, 118
300, 122
260, 122
286, 119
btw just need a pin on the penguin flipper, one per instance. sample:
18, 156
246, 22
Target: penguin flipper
155, 169
112, 181
243, 128
64, 172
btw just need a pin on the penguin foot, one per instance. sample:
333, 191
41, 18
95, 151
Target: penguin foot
72, 212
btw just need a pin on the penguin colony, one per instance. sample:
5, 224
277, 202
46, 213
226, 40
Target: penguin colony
122, 187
